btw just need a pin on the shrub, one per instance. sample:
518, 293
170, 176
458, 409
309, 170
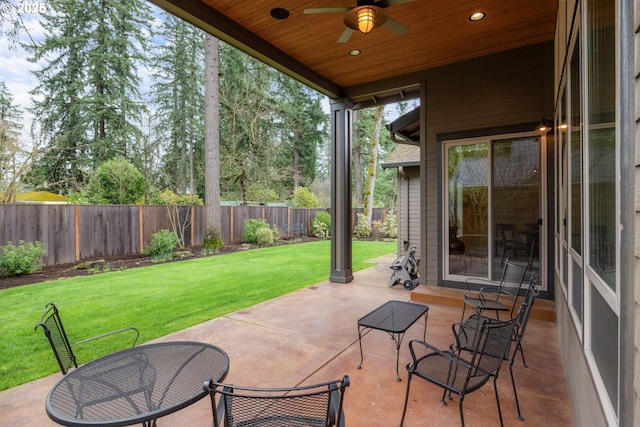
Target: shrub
250, 228
321, 226
390, 226
162, 244
115, 181
276, 234
264, 236
376, 229
21, 259
168, 197
362, 229
304, 198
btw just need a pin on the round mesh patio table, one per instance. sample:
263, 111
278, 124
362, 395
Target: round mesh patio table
136, 385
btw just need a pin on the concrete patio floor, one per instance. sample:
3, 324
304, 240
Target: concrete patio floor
310, 335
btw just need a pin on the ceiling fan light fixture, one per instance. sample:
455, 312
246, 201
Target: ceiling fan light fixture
477, 16
365, 18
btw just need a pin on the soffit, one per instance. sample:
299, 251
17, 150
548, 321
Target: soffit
305, 46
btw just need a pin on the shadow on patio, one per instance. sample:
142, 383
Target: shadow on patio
310, 335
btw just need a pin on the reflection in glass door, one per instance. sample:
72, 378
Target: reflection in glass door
493, 205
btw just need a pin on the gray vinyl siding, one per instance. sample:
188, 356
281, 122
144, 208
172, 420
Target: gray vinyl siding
414, 209
409, 209
635, 312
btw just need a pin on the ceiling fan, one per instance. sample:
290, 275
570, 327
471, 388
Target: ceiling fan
365, 16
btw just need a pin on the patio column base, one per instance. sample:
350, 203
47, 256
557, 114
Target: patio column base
340, 276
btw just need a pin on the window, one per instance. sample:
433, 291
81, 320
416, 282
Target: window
587, 205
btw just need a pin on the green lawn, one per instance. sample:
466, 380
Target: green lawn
157, 300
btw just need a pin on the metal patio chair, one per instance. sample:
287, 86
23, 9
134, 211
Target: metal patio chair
502, 297
459, 375
468, 328
51, 324
305, 406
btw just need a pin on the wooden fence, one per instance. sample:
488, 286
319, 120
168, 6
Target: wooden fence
71, 233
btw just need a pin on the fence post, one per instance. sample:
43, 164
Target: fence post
231, 224
77, 209
193, 224
141, 219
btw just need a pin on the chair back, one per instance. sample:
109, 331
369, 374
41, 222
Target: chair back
511, 281
490, 347
526, 307
54, 331
315, 405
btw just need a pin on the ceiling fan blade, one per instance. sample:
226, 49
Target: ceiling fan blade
395, 26
387, 3
346, 35
326, 10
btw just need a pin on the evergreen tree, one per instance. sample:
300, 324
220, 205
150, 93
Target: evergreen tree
178, 94
87, 98
303, 130
119, 32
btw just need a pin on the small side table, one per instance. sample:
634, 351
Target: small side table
394, 318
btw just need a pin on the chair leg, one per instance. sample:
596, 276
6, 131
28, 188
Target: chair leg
519, 347
406, 399
515, 392
461, 411
495, 387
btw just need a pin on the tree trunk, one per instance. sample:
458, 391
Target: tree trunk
212, 235
373, 164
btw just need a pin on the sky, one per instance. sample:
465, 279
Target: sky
15, 70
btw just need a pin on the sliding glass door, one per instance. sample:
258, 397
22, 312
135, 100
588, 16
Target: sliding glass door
492, 202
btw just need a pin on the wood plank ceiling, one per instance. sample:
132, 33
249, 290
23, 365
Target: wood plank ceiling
305, 45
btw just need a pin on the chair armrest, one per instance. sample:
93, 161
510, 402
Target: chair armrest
453, 358
137, 333
467, 329
476, 281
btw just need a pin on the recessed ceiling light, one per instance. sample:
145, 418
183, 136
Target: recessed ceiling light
477, 16
354, 52
279, 13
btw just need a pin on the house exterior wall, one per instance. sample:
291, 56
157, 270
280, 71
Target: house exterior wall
585, 405
494, 91
588, 395
408, 209
636, 283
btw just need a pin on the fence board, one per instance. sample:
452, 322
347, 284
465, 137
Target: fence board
108, 230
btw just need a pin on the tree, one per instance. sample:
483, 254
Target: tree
14, 161
373, 163
303, 198
178, 95
11, 22
303, 127
115, 182
87, 98
212, 234
246, 118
